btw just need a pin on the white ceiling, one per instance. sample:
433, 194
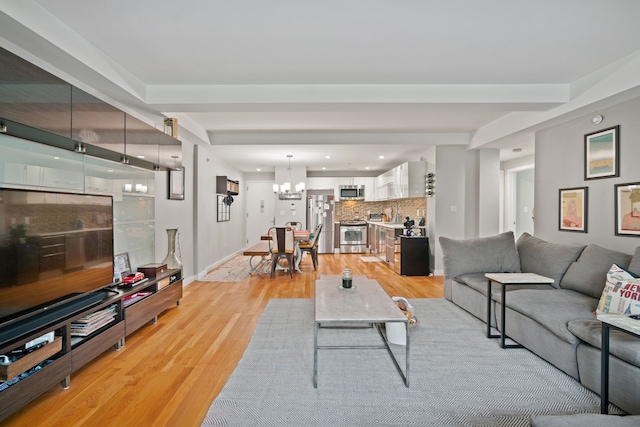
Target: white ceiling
351, 79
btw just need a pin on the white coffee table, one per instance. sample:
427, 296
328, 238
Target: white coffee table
506, 279
365, 303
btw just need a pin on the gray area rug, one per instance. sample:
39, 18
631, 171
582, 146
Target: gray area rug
457, 376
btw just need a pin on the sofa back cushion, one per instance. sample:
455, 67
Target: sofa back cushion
588, 273
547, 259
495, 254
634, 265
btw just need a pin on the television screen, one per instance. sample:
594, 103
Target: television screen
53, 247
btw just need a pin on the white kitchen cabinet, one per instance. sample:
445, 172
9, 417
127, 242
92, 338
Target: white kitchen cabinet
324, 183
405, 180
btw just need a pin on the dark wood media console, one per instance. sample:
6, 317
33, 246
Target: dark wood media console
164, 291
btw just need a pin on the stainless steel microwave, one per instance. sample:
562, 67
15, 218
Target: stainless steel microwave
352, 192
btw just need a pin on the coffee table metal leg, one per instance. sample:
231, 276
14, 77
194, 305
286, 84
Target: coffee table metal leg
604, 370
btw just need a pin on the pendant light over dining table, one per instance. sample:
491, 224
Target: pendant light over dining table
284, 190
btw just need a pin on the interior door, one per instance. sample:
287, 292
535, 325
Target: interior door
261, 210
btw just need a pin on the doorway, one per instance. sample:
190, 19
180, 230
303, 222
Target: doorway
261, 210
520, 199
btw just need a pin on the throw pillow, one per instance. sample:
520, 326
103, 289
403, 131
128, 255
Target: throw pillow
545, 258
588, 273
634, 265
621, 294
494, 254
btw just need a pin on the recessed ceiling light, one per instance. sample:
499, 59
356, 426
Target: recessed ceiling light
110, 170
258, 169
381, 157
367, 167
57, 158
323, 168
327, 157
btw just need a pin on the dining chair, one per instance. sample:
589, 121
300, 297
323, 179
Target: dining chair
294, 224
312, 246
281, 246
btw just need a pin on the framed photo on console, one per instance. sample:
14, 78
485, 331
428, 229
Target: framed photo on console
573, 209
628, 209
121, 267
601, 157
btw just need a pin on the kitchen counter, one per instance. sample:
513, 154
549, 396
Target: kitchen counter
387, 224
394, 225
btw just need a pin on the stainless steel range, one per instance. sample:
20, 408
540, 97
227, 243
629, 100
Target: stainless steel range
353, 237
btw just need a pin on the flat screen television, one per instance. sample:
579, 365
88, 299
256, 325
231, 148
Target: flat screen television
54, 248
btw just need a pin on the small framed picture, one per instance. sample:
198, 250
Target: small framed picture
573, 209
601, 157
176, 184
628, 209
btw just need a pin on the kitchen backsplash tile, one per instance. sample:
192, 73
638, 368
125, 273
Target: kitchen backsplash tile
350, 209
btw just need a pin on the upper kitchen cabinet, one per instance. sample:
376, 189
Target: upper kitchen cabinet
33, 97
95, 122
324, 183
406, 180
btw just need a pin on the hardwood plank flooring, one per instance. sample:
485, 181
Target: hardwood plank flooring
168, 373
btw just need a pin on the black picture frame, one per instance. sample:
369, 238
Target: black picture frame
175, 185
602, 153
627, 199
573, 209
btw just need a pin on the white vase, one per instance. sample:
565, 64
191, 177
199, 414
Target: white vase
172, 259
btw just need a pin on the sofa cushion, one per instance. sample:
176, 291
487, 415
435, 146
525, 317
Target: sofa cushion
553, 309
475, 281
621, 345
634, 265
547, 259
588, 273
621, 293
483, 255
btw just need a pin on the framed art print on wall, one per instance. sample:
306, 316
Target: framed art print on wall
601, 157
573, 209
628, 209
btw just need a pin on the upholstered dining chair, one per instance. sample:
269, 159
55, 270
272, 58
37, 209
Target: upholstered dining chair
282, 246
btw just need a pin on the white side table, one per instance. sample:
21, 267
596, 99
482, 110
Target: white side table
505, 279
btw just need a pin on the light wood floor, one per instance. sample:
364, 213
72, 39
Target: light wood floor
168, 373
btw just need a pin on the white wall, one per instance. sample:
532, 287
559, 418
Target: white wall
559, 164
204, 242
177, 214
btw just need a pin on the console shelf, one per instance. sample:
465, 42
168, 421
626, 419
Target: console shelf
59, 359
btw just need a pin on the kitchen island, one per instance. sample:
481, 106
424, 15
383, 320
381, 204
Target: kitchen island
384, 242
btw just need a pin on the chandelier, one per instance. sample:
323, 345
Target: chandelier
284, 190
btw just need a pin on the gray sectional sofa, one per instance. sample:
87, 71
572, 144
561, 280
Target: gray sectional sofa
556, 321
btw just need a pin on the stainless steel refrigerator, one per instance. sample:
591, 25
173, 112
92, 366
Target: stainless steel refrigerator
320, 205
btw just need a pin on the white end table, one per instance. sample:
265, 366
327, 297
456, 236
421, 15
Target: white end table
505, 279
